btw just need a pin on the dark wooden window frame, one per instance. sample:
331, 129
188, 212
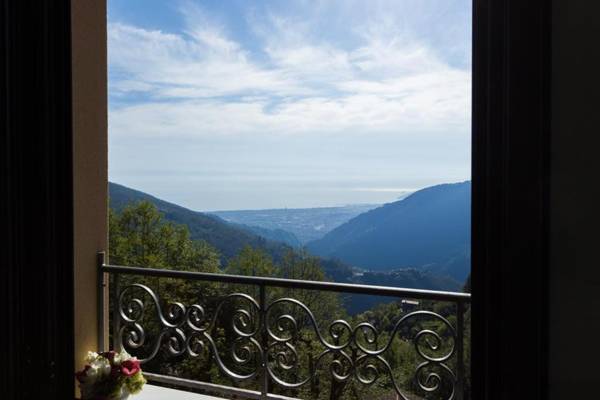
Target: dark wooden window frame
36, 189
511, 97
511, 138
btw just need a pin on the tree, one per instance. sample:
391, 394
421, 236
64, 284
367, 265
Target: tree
139, 236
251, 262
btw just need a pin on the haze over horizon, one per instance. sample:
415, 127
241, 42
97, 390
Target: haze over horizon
228, 105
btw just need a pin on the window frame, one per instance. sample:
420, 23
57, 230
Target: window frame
510, 224
511, 97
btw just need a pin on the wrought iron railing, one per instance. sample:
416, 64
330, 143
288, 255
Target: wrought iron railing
265, 349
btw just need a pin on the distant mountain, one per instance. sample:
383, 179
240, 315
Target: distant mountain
430, 230
276, 235
307, 224
225, 237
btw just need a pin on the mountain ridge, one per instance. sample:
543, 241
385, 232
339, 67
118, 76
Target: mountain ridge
225, 237
429, 229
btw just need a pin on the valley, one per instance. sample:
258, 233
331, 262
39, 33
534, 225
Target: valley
421, 241
307, 224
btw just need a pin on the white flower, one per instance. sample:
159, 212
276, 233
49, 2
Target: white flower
99, 368
122, 356
91, 356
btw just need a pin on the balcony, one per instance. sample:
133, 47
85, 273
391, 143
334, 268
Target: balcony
249, 337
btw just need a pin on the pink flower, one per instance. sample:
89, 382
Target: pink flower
81, 375
130, 367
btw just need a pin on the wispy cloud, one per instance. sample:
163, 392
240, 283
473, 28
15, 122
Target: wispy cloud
168, 66
204, 82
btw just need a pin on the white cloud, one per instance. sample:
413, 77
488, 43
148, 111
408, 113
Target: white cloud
168, 65
205, 83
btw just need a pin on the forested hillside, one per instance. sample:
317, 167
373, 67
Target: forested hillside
228, 239
429, 229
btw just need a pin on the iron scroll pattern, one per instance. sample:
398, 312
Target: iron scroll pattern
266, 341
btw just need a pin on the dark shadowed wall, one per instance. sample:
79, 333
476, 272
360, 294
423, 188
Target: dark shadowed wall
574, 207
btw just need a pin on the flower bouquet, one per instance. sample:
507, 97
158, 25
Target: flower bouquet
110, 376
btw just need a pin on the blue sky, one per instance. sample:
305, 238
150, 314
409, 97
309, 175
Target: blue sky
267, 104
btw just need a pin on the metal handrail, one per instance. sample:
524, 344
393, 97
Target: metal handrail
292, 283
262, 335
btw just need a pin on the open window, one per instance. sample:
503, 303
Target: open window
50, 43
325, 144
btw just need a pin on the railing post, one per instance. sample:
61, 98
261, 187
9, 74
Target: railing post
116, 314
101, 299
264, 340
460, 355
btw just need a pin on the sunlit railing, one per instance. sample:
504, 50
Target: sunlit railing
264, 321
